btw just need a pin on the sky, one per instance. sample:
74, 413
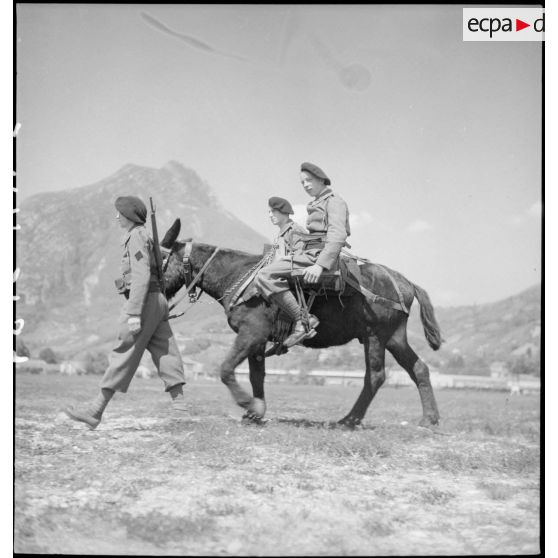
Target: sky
433, 142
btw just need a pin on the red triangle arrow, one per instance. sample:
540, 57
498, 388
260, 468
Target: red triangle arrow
519, 25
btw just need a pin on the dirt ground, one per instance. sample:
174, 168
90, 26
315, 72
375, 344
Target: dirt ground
146, 482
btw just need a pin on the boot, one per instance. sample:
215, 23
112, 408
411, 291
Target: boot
86, 416
288, 303
302, 331
178, 402
91, 415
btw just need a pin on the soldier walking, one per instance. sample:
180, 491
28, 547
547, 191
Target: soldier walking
143, 323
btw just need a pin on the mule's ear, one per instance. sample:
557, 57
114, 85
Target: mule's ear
171, 235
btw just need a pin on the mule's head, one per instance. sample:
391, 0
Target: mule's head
173, 251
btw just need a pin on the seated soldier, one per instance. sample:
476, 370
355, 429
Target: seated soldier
328, 225
290, 233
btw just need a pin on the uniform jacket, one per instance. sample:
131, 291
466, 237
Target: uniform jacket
289, 240
138, 268
329, 215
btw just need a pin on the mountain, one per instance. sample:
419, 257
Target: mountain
68, 248
499, 328
479, 335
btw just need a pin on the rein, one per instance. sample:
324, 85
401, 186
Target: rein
187, 272
191, 283
238, 287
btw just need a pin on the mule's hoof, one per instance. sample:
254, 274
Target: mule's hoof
257, 407
428, 422
349, 423
252, 419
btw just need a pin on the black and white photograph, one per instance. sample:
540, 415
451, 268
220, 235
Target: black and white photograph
278, 279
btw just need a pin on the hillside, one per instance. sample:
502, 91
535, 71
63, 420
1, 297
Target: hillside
477, 336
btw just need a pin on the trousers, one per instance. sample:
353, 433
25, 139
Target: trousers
156, 336
273, 278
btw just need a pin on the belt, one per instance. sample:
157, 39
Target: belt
152, 289
312, 240
313, 244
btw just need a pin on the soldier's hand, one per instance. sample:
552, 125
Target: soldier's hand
313, 273
134, 324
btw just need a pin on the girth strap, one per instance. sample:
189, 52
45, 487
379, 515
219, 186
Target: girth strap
397, 289
400, 306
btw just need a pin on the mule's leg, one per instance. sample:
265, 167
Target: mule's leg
399, 347
256, 362
374, 356
257, 373
238, 352
249, 341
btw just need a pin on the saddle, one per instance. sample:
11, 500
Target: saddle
332, 282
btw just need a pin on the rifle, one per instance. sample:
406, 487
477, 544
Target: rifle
157, 248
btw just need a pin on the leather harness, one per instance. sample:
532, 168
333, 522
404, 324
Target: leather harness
240, 285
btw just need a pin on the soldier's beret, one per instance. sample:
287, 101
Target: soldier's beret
132, 208
281, 204
316, 171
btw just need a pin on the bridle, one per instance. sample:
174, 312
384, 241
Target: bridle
190, 282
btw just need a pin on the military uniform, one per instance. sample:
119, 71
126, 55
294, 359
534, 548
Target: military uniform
289, 240
328, 229
145, 300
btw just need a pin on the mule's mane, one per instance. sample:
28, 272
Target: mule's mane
225, 251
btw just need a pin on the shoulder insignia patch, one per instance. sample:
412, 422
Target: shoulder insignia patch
138, 255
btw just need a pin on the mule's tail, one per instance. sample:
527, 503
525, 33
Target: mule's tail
431, 328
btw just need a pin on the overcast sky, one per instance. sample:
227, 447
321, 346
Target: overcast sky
434, 143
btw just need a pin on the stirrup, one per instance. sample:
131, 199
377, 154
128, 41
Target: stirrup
276, 349
297, 337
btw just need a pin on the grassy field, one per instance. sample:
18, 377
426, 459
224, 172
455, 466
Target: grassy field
146, 482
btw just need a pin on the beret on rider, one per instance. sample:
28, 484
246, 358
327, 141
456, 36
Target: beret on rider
316, 171
132, 208
281, 204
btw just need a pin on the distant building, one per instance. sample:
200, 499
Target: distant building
398, 377
338, 377
192, 367
499, 369
524, 384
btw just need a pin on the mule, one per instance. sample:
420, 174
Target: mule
342, 319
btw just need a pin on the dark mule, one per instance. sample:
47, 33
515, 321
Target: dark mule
377, 327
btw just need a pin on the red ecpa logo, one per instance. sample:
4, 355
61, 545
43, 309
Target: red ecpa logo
493, 25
